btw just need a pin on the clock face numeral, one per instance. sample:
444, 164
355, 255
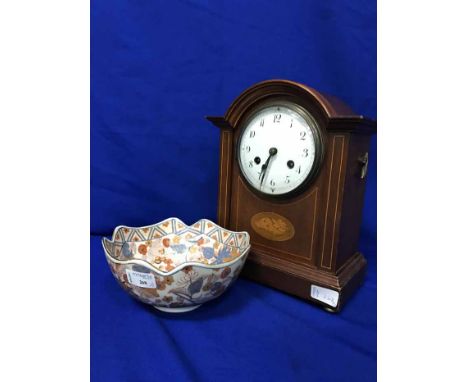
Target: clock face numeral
270, 158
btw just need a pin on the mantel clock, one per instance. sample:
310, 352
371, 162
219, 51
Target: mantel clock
293, 164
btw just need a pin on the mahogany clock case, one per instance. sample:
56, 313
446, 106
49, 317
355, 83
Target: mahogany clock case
324, 214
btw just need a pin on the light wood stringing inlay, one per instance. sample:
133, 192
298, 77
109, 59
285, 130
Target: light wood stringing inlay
342, 138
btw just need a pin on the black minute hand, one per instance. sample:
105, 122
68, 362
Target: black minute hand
273, 151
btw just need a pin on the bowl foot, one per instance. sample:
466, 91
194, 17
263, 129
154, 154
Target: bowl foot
177, 310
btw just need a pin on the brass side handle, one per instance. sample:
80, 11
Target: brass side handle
364, 161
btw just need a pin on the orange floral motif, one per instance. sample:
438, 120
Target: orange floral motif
143, 249
169, 280
166, 242
225, 273
187, 269
160, 284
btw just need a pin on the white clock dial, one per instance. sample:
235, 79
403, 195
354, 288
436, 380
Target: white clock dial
277, 150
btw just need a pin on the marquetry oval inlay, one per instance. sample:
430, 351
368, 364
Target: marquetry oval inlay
272, 226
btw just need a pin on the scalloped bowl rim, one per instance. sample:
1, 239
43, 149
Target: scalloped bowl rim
151, 267
180, 221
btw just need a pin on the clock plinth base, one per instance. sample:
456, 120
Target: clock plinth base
298, 280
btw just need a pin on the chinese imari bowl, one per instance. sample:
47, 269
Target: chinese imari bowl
176, 267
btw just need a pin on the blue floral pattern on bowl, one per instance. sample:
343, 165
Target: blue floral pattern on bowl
176, 267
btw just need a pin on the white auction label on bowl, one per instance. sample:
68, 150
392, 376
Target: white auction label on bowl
328, 296
140, 279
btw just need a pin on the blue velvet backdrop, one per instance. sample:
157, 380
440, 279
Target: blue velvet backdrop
157, 68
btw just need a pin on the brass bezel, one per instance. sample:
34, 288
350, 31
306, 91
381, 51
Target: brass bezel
314, 126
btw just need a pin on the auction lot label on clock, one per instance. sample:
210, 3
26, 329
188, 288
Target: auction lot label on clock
140, 279
328, 296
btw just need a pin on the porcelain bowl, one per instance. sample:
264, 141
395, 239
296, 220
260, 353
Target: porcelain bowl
175, 267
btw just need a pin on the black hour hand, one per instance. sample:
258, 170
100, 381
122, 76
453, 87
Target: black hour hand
262, 175
273, 151
262, 171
